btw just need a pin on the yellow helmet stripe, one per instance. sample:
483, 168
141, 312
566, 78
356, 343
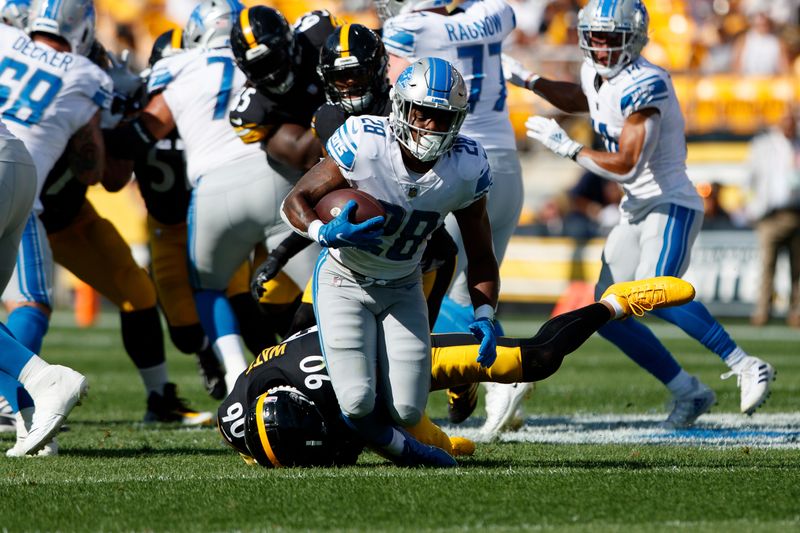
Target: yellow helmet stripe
247, 30
175, 42
344, 40
262, 431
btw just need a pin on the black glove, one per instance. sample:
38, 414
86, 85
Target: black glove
265, 272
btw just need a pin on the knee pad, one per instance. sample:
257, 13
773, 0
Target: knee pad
357, 401
405, 415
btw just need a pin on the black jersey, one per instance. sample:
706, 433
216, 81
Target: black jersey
162, 180
62, 196
329, 117
297, 362
257, 112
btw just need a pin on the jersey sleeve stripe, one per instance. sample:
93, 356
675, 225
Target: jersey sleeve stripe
400, 43
102, 99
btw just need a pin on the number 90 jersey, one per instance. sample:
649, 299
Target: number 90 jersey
46, 96
369, 157
198, 86
471, 39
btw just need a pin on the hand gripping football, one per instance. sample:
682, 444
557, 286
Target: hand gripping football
332, 203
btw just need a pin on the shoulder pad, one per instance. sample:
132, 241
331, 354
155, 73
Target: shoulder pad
314, 27
167, 69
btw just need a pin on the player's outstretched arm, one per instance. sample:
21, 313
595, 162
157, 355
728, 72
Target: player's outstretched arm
566, 96
294, 146
133, 139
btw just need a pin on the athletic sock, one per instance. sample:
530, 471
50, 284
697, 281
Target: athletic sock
230, 353
34, 365
642, 346
737, 359
694, 319
29, 326
154, 378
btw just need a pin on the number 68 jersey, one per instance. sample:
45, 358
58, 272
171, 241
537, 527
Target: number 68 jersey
369, 157
46, 96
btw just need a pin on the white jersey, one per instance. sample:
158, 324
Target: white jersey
198, 86
471, 39
46, 96
642, 85
369, 157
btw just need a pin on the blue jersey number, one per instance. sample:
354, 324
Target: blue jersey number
475, 53
410, 233
610, 143
35, 94
225, 86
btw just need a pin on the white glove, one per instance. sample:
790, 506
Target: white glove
516, 74
549, 133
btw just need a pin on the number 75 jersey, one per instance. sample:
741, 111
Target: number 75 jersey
46, 96
369, 158
198, 86
471, 39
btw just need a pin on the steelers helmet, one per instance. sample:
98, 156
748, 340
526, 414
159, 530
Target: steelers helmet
209, 25
264, 47
283, 427
70, 20
167, 44
623, 27
435, 84
352, 64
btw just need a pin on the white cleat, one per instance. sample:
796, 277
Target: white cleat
55, 391
8, 422
753, 378
23, 421
688, 407
502, 402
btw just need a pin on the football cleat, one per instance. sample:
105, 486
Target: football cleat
502, 401
688, 407
753, 378
168, 407
461, 402
638, 296
55, 391
212, 373
23, 420
8, 422
460, 446
417, 454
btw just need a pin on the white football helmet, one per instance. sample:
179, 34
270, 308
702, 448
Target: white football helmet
624, 25
15, 12
210, 24
434, 83
391, 8
72, 20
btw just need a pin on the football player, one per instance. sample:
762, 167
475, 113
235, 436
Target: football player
634, 110
162, 180
353, 66
52, 101
469, 35
236, 192
367, 283
283, 410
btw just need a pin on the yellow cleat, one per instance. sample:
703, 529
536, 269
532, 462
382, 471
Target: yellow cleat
461, 446
638, 296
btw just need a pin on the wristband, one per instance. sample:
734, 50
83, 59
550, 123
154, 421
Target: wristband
484, 311
531, 81
313, 229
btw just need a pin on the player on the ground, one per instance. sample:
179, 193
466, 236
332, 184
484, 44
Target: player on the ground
469, 35
236, 193
634, 109
353, 66
283, 410
367, 283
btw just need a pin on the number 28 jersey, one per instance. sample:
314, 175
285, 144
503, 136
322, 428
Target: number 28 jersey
471, 39
369, 157
198, 86
46, 96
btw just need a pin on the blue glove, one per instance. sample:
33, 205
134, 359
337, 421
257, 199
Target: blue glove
483, 329
340, 232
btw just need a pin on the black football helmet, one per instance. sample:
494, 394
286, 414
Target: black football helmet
264, 46
352, 64
283, 427
168, 43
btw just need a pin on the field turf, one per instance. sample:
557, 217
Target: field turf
116, 474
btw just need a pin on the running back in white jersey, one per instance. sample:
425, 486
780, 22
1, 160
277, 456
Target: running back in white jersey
198, 86
369, 157
46, 96
642, 85
471, 39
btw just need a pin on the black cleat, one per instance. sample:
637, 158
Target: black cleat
212, 373
461, 402
168, 407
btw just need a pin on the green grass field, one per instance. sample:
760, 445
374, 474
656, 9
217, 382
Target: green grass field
116, 474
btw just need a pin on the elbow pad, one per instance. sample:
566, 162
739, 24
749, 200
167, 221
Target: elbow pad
131, 141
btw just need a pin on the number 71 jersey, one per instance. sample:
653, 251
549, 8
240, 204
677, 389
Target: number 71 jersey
369, 157
46, 96
198, 86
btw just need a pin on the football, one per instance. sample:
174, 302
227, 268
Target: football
332, 203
